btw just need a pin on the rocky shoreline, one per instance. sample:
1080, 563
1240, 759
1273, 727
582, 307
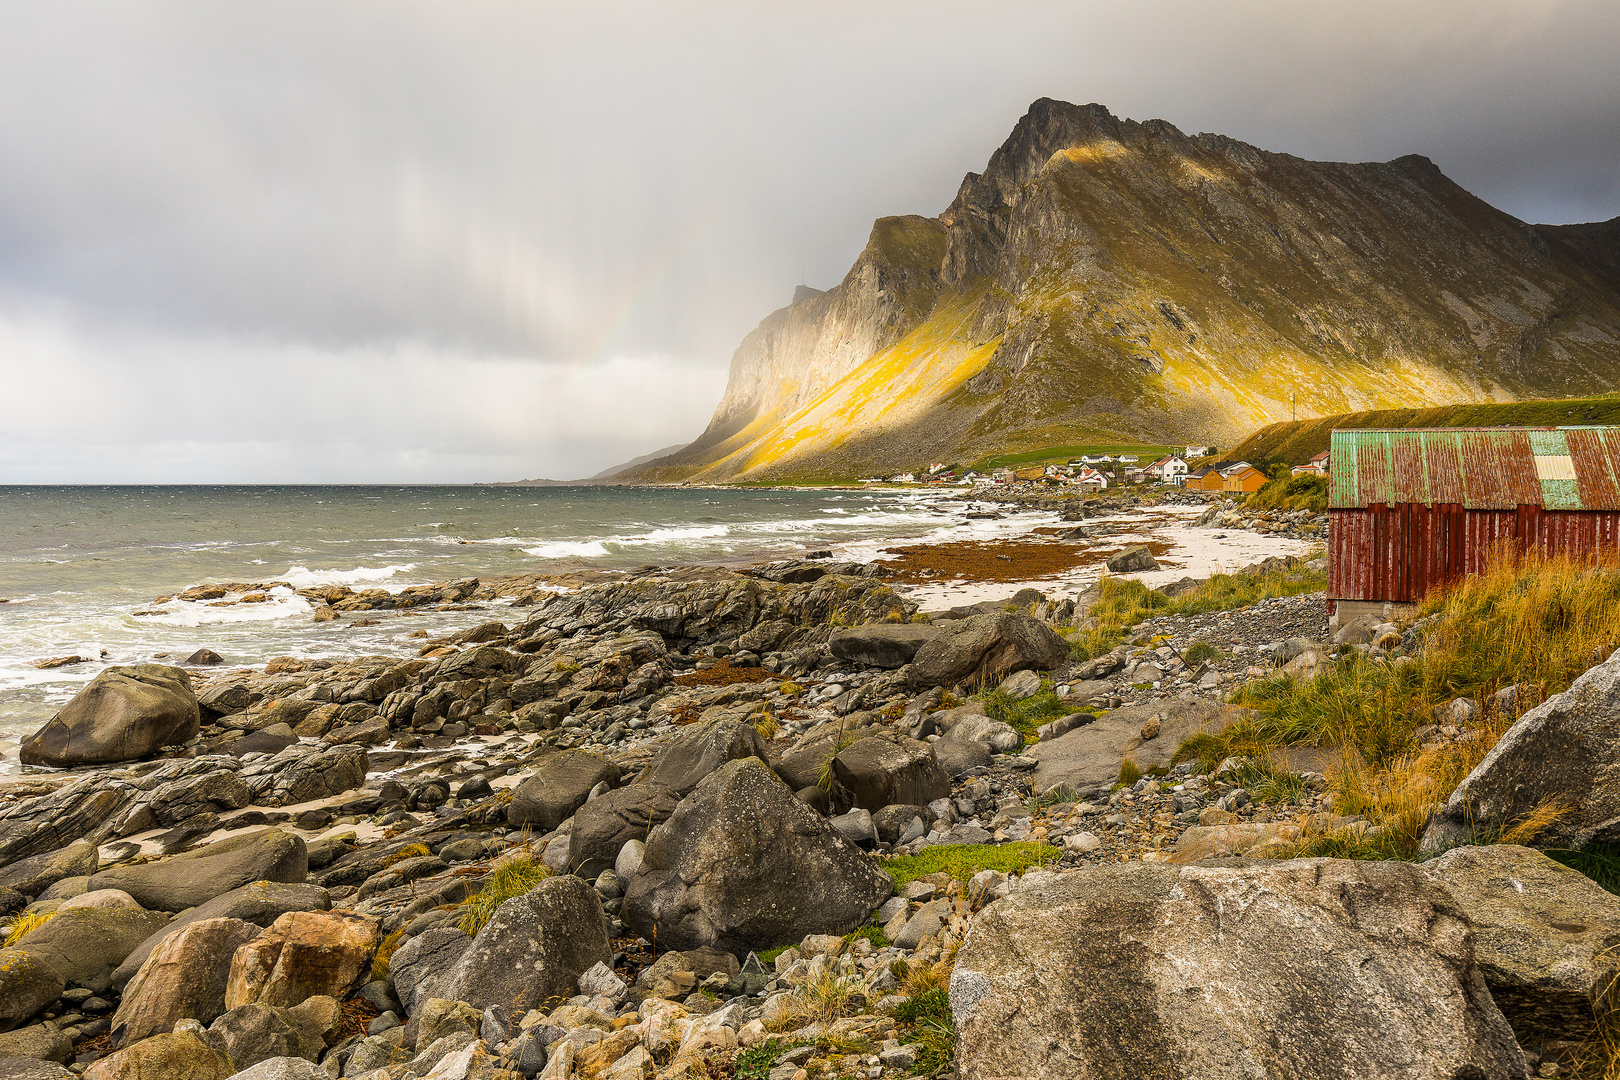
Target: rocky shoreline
714, 779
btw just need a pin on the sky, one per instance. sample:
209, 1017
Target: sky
406, 241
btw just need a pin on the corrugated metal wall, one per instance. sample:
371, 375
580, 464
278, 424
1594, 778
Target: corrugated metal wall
1400, 552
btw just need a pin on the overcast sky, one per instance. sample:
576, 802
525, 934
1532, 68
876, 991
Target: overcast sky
396, 241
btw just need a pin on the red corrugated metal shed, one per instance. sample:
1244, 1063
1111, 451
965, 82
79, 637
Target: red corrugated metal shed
1409, 510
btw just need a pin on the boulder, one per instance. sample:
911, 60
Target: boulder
35, 874
1564, 751
742, 864
557, 787
882, 770
1020, 685
271, 740
302, 773
123, 714
1133, 560
701, 749
605, 824
41, 1042
27, 985
1315, 968
284, 1068
162, 1056
85, 945
101, 898
959, 757
534, 948
260, 903
1087, 759
892, 821
183, 978
301, 955
420, 966
199, 876
997, 737
257, 1032
802, 766
985, 649
884, 645
1545, 936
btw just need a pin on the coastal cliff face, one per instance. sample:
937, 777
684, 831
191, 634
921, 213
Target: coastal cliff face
1107, 279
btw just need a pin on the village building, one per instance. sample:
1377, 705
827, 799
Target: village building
1167, 470
1411, 510
1242, 479
1317, 466
1092, 479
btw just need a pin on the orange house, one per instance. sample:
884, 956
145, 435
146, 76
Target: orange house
1204, 480
1243, 480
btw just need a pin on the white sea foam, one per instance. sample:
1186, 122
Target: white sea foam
565, 549
302, 577
282, 604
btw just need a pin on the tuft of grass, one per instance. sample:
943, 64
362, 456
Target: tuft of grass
919, 617
27, 923
769, 955
919, 980
385, 951
410, 851
962, 861
512, 878
1267, 781
1200, 652
1056, 796
1303, 492
819, 1000
935, 1037
767, 726
756, 1061
1129, 773
934, 1002
1026, 715
874, 934
792, 689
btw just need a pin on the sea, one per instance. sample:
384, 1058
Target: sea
78, 563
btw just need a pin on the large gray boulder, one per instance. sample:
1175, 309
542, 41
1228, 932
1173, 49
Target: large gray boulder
883, 770
602, 825
1087, 759
1544, 935
199, 876
420, 967
86, 944
250, 1034
41, 1042
1133, 560
533, 949
123, 714
557, 787
183, 978
742, 864
1565, 751
701, 749
1317, 969
884, 645
985, 649
35, 874
260, 903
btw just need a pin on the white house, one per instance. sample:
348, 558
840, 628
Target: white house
1168, 470
1091, 478
1317, 466
1197, 451
903, 478
1128, 459
1094, 459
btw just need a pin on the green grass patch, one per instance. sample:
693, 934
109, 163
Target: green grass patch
962, 861
769, 955
934, 1003
1600, 862
1026, 715
874, 934
936, 1044
1064, 454
512, 878
756, 1061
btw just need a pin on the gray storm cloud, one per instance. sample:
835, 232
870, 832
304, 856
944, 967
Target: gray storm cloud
398, 241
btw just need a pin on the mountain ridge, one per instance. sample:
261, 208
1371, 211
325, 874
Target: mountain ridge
1112, 278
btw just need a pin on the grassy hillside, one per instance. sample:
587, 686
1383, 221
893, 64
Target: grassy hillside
1297, 441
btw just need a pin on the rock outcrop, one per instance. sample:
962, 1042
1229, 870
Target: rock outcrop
124, 714
1332, 970
742, 864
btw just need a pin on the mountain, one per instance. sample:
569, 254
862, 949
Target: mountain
1106, 280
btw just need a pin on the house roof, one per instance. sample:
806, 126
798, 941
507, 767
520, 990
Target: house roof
1559, 468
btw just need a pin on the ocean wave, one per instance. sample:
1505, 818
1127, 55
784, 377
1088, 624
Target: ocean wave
302, 577
564, 549
282, 604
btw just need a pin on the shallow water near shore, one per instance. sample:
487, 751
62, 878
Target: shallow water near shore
76, 563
